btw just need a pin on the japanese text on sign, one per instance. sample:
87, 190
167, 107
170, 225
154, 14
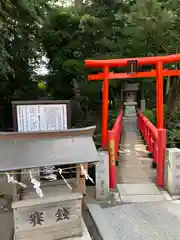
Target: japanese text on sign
37, 218
62, 214
41, 117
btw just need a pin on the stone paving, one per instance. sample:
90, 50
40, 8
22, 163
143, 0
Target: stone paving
138, 221
135, 176
134, 163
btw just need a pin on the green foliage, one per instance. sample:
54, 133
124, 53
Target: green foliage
174, 134
112, 118
69, 39
174, 126
20, 45
150, 114
67, 36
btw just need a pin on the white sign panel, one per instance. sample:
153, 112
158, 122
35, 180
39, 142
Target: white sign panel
41, 117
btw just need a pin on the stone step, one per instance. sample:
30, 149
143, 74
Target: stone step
130, 103
136, 192
130, 115
101, 222
130, 119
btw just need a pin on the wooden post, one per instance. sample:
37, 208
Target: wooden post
25, 176
161, 146
81, 183
78, 173
15, 187
159, 95
105, 107
112, 160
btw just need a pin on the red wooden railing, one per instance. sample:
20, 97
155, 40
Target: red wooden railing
149, 133
156, 143
114, 138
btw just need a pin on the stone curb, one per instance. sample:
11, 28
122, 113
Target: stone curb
100, 219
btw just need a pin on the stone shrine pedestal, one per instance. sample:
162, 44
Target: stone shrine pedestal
172, 171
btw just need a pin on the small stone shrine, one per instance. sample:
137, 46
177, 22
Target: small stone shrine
48, 210
130, 107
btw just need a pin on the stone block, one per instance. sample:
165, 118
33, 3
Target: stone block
141, 198
172, 171
102, 177
138, 189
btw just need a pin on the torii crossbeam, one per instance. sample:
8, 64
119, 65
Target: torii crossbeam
159, 72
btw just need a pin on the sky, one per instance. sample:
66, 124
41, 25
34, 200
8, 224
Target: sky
42, 69
64, 2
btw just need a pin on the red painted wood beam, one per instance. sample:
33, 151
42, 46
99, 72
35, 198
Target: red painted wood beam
105, 107
111, 75
159, 95
141, 61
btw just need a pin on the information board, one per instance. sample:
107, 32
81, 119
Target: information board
41, 117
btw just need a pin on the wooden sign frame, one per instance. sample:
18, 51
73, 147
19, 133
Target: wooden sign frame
40, 102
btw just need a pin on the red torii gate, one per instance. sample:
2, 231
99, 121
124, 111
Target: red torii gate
159, 73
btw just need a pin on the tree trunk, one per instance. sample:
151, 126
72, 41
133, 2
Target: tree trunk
168, 84
173, 97
172, 94
78, 4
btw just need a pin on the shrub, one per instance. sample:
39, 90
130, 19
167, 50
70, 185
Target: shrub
150, 114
